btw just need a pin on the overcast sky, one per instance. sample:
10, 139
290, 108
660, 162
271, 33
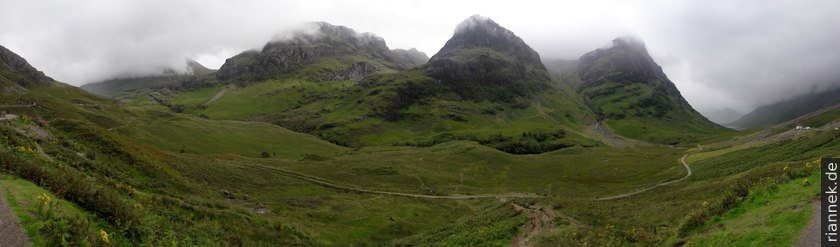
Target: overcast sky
737, 54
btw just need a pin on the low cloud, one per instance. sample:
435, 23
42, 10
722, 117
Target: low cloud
726, 54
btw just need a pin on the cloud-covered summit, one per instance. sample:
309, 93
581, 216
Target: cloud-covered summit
719, 54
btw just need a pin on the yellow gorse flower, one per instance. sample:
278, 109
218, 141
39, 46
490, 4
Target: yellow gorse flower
705, 204
785, 169
104, 236
44, 197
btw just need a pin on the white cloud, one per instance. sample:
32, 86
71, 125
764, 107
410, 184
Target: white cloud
727, 53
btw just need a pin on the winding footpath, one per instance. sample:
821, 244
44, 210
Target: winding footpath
682, 160
217, 96
358, 190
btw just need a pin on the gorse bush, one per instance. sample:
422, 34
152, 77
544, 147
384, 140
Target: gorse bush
61, 228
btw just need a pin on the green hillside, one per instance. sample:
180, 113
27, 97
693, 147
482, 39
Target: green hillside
421, 106
628, 90
329, 138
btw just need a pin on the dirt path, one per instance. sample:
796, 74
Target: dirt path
810, 236
539, 221
217, 96
335, 186
688, 174
8, 117
11, 233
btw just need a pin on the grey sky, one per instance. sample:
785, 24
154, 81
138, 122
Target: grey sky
735, 54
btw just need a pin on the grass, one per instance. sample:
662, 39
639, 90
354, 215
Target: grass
772, 216
358, 113
196, 135
221, 190
22, 197
468, 168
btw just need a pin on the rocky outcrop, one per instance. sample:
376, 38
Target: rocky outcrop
17, 70
321, 42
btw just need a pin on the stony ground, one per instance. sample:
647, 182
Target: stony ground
11, 234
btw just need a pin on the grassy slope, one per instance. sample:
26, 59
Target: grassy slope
196, 135
320, 212
772, 216
199, 180
22, 197
468, 168
654, 217
190, 186
352, 110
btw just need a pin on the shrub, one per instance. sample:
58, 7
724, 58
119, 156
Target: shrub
691, 221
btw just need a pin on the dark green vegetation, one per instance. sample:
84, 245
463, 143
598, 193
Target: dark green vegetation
309, 141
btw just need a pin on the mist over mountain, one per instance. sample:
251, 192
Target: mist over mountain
626, 87
133, 84
483, 60
783, 111
723, 116
338, 52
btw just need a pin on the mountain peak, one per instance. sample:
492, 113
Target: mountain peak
317, 51
626, 56
485, 61
622, 81
477, 22
313, 33
630, 42
480, 31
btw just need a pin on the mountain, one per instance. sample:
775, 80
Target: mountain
484, 61
197, 69
14, 70
350, 89
411, 57
130, 86
628, 90
783, 111
321, 52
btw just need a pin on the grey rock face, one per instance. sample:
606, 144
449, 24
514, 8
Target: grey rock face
305, 47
